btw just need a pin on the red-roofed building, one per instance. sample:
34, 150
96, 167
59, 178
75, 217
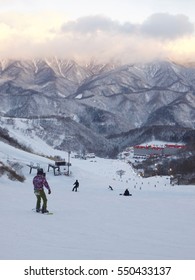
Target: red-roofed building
153, 150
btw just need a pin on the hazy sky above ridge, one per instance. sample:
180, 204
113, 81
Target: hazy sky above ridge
111, 29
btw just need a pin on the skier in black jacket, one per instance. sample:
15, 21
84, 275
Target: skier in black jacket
76, 185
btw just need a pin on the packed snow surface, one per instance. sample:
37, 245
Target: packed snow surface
156, 222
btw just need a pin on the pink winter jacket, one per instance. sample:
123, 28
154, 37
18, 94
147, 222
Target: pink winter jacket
39, 182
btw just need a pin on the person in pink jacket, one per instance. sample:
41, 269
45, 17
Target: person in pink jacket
39, 182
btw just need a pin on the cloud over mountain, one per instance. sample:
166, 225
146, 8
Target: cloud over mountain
98, 23
167, 26
160, 35
160, 25
48, 34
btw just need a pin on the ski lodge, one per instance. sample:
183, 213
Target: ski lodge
157, 151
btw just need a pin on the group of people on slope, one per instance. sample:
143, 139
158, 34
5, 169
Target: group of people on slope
39, 182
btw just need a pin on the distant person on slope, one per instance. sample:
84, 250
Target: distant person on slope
76, 185
126, 193
39, 182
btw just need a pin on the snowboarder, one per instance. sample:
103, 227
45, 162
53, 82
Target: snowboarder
39, 182
111, 188
126, 193
76, 185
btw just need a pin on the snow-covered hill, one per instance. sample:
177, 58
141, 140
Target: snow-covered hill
156, 222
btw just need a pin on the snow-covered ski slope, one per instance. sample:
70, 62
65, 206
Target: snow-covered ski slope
156, 222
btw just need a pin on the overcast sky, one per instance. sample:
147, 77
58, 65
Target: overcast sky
126, 30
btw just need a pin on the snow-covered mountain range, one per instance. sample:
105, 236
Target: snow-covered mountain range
97, 107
